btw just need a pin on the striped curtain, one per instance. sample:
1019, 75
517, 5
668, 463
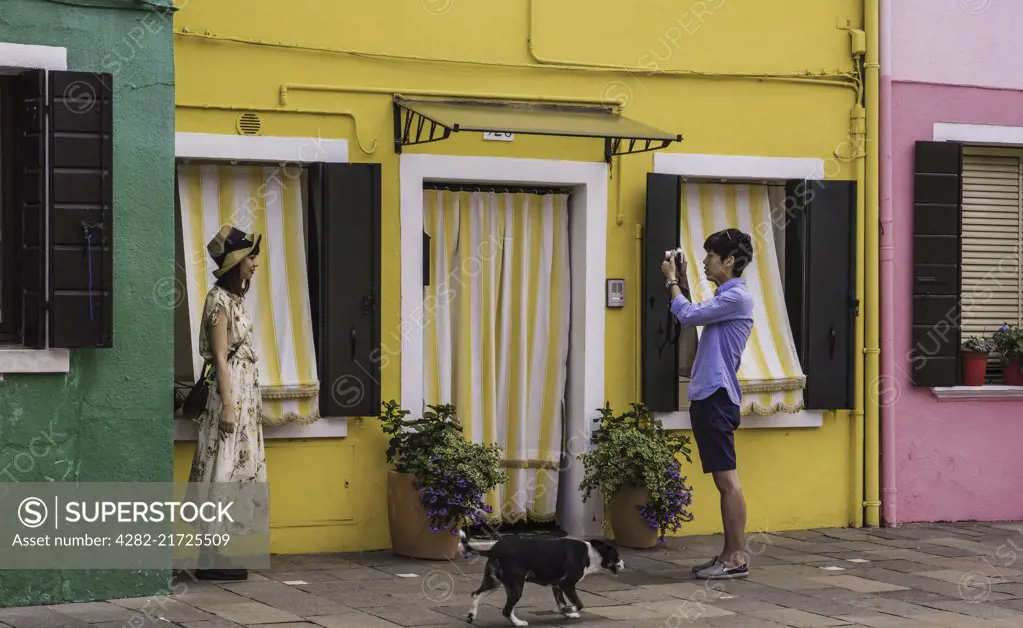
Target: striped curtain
496, 333
770, 374
267, 200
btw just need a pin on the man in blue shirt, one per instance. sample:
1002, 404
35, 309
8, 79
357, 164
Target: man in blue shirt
714, 392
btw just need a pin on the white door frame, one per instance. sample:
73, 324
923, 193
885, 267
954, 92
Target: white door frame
588, 242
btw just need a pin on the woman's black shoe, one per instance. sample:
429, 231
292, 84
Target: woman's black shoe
222, 574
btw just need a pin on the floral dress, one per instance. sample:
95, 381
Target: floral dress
238, 457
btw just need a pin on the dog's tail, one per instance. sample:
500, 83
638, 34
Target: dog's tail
465, 550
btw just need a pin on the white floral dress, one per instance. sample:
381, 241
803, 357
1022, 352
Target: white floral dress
238, 457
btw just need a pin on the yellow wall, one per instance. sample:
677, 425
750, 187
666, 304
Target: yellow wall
329, 494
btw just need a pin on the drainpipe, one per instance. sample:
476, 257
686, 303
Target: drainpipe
871, 349
887, 275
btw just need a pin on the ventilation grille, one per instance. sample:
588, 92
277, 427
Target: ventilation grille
249, 124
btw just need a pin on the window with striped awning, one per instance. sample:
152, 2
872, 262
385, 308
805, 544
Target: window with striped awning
992, 237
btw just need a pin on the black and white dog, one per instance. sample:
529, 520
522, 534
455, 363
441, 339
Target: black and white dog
557, 563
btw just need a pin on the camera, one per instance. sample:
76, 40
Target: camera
675, 254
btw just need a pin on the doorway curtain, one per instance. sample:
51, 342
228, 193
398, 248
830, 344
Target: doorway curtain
770, 374
496, 316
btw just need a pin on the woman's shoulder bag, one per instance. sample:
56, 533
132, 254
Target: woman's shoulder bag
196, 400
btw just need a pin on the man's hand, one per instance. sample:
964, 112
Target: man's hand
682, 277
668, 268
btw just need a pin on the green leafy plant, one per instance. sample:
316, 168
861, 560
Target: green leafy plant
452, 475
632, 449
1008, 342
978, 344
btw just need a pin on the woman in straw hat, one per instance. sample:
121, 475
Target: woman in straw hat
229, 448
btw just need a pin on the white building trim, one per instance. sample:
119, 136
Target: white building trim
18, 57
588, 237
209, 146
990, 392
738, 166
260, 148
17, 359
742, 167
978, 133
331, 427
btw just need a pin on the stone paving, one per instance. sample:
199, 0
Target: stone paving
948, 575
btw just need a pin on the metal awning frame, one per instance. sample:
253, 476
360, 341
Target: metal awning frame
410, 125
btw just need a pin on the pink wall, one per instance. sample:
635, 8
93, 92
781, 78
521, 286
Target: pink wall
957, 42
954, 460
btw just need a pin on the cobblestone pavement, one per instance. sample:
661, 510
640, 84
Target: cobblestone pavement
937, 575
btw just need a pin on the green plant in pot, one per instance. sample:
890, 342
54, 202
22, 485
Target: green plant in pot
1008, 341
635, 466
439, 481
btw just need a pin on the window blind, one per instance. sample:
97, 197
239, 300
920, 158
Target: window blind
992, 234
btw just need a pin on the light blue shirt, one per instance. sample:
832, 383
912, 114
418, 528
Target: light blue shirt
727, 321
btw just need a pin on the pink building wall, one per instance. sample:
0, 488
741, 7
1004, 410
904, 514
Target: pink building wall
952, 61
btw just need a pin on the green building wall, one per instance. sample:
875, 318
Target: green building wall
109, 419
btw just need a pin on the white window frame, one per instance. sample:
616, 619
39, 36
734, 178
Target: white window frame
15, 358
978, 134
742, 168
271, 149
588, 244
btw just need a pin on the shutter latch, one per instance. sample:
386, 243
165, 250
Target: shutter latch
87, 235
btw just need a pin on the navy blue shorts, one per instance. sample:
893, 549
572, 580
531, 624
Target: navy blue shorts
715, 420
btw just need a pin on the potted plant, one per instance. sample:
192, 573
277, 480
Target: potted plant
635, 466
975, 353
438, 483
1008, 342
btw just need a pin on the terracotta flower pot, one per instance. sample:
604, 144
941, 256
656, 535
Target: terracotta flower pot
1011, 373
974, 367
409, 524
627, 525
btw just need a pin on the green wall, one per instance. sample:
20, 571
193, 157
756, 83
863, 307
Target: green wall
109, 419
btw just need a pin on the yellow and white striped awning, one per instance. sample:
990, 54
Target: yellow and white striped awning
270, 201
770, 374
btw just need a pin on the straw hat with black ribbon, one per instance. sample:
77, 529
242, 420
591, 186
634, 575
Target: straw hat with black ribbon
230, 246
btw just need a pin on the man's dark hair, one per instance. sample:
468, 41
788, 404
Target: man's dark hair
731, 242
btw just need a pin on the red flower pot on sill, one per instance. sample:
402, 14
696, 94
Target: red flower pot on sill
1011, 373
974, 368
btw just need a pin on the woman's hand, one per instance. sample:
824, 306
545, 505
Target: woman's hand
227, 420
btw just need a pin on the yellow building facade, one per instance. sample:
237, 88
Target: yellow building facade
767, 99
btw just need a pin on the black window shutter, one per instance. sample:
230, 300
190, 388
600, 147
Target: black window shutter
345, 272
661, 233
81, 210
820, 285
30, 184
937, 233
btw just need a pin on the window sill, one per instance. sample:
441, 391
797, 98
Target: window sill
332, 427
967, 393
15, 359
782, 420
